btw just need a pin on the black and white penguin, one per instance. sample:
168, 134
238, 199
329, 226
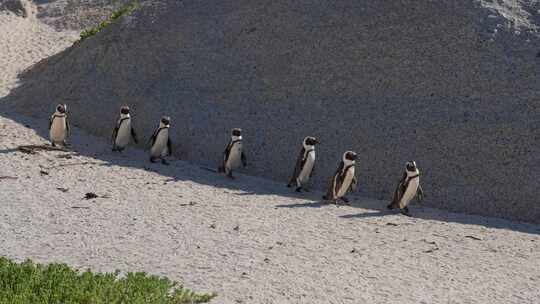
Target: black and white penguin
123, 131
59, 126
160, 142
344, 180
233, 154
305, 162
407, 188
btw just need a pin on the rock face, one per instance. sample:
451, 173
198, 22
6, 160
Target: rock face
15, 6
450, 84
76, 14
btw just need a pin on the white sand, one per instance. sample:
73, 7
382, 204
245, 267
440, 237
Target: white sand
287, 248
144, 221
25, 41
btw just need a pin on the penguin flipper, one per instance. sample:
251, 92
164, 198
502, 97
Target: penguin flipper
114, 134
226, 155
398, 193
420, 193
50, 122
331, 192
169, 146
297, 167
354, 184
243, 158
152, 139
134, 135
68, 129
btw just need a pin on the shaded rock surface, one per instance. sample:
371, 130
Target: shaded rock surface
14, 6
451, 84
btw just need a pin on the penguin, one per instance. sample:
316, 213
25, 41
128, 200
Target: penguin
305, 162
59, 126
407, 188
160, 142
123, 131
233, 154
344, 180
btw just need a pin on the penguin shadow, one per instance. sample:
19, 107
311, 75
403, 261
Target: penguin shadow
8, 151
313, 204
417, 211
365, 215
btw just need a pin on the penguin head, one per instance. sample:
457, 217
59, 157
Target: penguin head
411, 166
349, 157
124, 110
310, 141
61, 108
236, 134
165, 121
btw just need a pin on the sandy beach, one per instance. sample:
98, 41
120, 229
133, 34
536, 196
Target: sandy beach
25, 41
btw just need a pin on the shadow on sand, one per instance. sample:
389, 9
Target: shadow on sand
99, 148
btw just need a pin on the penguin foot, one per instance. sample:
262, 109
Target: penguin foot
324, 197
298, 189
229, 175
390, 206
53, 144
153, 159
344, 199
405, 211
163, 161
289, 185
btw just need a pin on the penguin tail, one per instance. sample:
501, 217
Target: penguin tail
221, 169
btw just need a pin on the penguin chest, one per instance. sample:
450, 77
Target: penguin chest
346, 183
58, 129
410, 192
303, 177
160, 145
235, 155
124, 133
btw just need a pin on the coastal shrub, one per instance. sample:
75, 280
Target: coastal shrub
124, 10
28, 282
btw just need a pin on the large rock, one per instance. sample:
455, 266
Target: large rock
451, 84
15, 6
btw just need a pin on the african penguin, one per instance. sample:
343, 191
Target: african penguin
233, 154
59, 126
407, 188
305, 162
160, 142
344, 180
123, 131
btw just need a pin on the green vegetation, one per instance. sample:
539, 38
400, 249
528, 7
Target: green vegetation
57, 283
124, 10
